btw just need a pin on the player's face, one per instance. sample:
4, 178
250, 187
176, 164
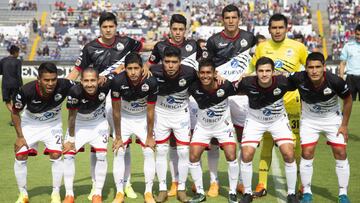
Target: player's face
89, 81
278, 30
108, 29
47, 82
171, 65
315, 71
206, 75
177, 31
231, 21
134, 71
357, 36
264, 73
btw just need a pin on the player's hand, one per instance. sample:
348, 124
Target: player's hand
117, 143
68, 146
220, 80
19, 143
119, 69
150, 142
147, 73
102, 80
343, 131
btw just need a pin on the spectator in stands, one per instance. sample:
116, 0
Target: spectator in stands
39, 52
46, 51
10, 68
35, 25
70, 11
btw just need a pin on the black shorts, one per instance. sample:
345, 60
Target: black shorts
7, 93
354, 83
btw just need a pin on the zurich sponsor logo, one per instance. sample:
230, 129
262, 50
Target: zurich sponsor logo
316, 108
234, 63
278, 64
135, 105
267, 112
210, 113
170, 100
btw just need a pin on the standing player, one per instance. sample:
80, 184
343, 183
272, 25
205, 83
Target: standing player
105, 54
133, 112
190, 52
321, 112
266, 113
172, 114
86, 124
213, 122
230, 51
289, 56
40, 122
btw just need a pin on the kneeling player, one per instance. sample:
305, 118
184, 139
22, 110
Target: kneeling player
87, 124
134, 114
321, 112
213, 121
266, 114
40, 122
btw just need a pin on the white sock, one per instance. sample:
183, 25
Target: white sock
306, 172
233, 174
127, 173
240, 181
246, 173
343, 173
173, 164
183, 165
149, 168
57, 170
196, 174
92, 166
161, 165
20, 169
213, 161
100, 172
119, 169
291, 175
69, 174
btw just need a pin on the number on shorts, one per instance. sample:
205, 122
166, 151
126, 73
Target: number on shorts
295, 124
58, 139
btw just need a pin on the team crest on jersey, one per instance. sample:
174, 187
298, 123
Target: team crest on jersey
220, 93
205, 54
77, 62
182, 82
188, 48
289, 52
243, 43
18, 97
116, 94
102, 96
152, 57
327, 91
145, 87
120, 46
277, 91
18, 105
57, 97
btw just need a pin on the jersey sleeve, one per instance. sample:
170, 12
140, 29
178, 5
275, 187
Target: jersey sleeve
199, 51
303, 54
341, 87
136, 45
155, 55
292, 81
229, 88
210, 49
115, 89
344, 53
83, 60
73, 100
19, 101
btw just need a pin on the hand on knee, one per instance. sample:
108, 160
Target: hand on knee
21, 157
55, 155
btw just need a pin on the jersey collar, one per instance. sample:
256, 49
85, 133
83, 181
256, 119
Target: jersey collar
105, 45
222, 33
176, 45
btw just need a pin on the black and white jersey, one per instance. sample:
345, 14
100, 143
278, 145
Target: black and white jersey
230, 55
213, 106
266, 104
322, 101
134, 99
38, 108
106, 58
89, 107
190, 52
173, 93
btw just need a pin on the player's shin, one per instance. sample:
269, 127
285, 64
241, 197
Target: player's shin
173, 164
127, 173
20, 169
161, 165
119, 169
306, 172
291, 175
57, 173
183, 165
69, 174
213, 161
246, 173
233, 171
343, 173
149, 168
92, 166
196, 174
100, 172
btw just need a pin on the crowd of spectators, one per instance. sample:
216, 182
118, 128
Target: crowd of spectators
343, 17
20, 40
22, 5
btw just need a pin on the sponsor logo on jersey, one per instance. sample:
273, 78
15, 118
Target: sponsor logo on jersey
253, 92
160, 80
101, 96
316, 108
243, 43
145, 87
327, 91
234, 63
57, 97
152, 57
182, 82
135, 105
198, 92
84, 101
124, 87
220, 93
266, 112
277, 91
99, 51
222, 44
210, 113
304, 88
289, 52
170, 100
115, 94
35, 101
278, 64
188, 48
120, 46
269, 52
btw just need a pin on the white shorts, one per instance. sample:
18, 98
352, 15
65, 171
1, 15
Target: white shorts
178, 122
94, 133
109, 115
253, 131
50, 134
310, 130
239, 105
224, 133
193, 107
136, 125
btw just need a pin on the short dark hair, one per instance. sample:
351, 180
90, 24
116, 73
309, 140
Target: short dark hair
90, 69
172, 51
278, 17
230, 8
299, 36
357, 28
107, 16
207, 62
14, 49
264, 60
133, 57
315, 56
259, 37
47, 67
177, 18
